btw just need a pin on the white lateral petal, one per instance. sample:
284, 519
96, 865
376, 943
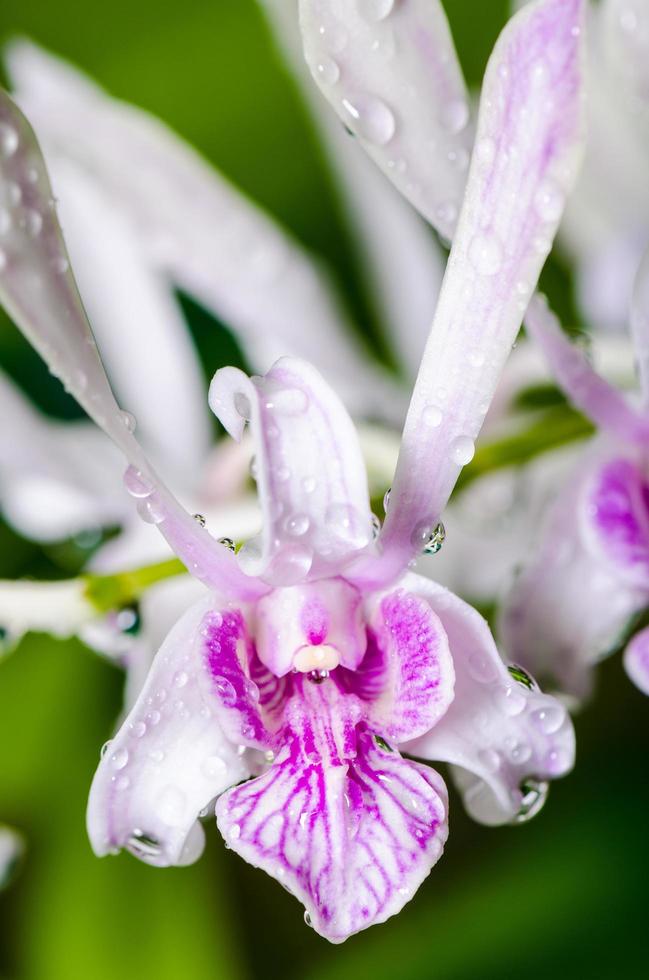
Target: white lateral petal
199, 230
144, 339
59, 608
170, 757
391, 73
527, 150
38, 290
400, 257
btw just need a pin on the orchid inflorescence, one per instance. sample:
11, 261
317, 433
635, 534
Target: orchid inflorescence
312, 675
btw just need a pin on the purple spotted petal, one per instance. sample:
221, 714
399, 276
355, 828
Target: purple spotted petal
595, 397
39, 292
527, 150
407, 674
181, 745
636, 660
391, 73
506, 737
308, 466
616, 519
350, 828
571, 603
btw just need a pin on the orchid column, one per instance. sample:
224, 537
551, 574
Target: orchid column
287, 701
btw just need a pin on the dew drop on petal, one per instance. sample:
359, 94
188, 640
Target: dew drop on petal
137, 484
119, 759
455, 116
297, 525
509, 700
432, 416
549, 201
373, 10
328, 71
129, 420
8, 140
549, 719
225, 691
462, 450
371, 118
486, 255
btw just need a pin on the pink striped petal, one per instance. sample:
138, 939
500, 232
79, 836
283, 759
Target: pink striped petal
39, 292
391, 73
591, 394
348, 826
571, 603
179, 746
407, 674
527, 149
309, 470
505, 736
636, 660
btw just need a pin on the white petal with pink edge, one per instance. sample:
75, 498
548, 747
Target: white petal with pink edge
527, 150
505, 734
636, 660
186, 740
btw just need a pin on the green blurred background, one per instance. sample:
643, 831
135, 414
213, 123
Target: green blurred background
561, 896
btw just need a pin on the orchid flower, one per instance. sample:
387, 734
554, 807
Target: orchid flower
574, 600
289, 693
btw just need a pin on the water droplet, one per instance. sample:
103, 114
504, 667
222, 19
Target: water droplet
137, 484
228, 543
296, 525
119, 759
104, 749
242, 405
213, 766
482, 668
143, 846
139, 729
509, 700
534, 795
522, 677
8, 140
328, 71
307, 919
447, 213
386, 499
129, 420
370, 118
151, 510
309, 484
153, 718
200, 519
550, 718
375, 526
251, 689
428, 537
486, 255
519, 752
180, 679
225, 691
156, 755
432, 416
455, 116
32, 221
557, 761
462, 450
549, 201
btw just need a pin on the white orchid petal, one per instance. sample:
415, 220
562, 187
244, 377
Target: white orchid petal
59, 608
401, 261
392, 75
527, 150
309, 470
636, 660
200, 231
170, 757
640, 325
600, 401
38, 290
144, 339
